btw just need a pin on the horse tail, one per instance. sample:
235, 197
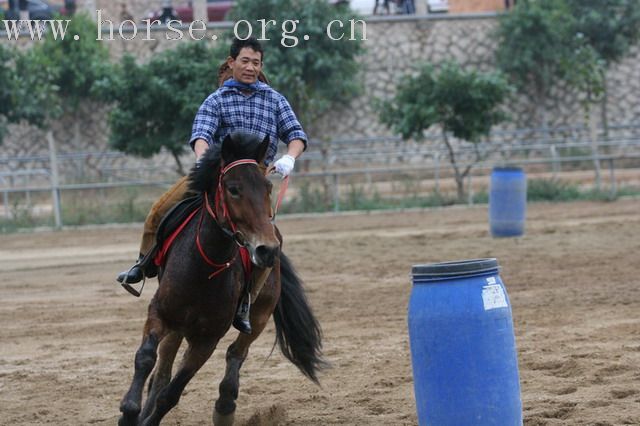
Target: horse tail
297, 331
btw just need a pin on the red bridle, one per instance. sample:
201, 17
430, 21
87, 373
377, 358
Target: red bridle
221, 205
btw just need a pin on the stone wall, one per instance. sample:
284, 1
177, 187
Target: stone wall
395, 46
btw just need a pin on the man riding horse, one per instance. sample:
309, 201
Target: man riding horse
243, 102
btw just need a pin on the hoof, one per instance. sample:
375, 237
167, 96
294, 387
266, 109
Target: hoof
223, 420
126, 420
130, 411
129, 408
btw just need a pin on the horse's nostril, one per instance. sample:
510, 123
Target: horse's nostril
266, 255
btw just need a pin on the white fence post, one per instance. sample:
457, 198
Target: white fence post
612, 176
555, 164
436, 173
336, 192
593, 136
5, 199
55, 183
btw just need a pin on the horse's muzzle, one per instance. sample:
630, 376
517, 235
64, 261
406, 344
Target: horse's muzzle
265, 256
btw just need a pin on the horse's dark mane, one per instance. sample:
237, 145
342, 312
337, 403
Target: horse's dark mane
206, 172
236, 146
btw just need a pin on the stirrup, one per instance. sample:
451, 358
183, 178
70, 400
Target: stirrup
130, 288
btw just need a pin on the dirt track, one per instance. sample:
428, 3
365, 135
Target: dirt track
69, 332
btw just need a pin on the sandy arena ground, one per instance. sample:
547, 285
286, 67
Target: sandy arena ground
68, 332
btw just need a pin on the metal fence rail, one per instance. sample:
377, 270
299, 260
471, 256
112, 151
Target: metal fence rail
338, 163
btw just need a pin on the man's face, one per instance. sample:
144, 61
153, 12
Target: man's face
247, 66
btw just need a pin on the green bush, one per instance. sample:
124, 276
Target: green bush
552, 190
481, 197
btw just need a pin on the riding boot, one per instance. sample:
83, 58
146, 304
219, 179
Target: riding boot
133, 275
241, 321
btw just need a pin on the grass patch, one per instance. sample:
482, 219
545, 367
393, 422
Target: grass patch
20, 217
313, 200
124, 206
558, 190
309, 200
552, 190
357, 198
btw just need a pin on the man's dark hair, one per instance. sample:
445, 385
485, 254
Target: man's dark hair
252, 43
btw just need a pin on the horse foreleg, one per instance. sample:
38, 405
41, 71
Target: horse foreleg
225, 407
194, 358
144, 361
167, 351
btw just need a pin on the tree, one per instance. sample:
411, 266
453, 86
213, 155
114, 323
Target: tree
607, 30
77, 66
50, 79
463, 103
6, 93
155, 103
536, 43
28, 92
542, 42
79, 63
587, 77
610, 27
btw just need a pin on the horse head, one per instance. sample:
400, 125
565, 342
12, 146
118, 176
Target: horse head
232, 179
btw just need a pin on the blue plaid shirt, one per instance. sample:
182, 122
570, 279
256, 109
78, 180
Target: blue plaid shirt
263, 112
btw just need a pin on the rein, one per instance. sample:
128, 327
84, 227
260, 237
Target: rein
283, 188
221, 204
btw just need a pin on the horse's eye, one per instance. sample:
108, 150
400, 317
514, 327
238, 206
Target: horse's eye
234, 191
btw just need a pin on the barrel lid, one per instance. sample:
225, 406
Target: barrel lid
456, 268
508, 168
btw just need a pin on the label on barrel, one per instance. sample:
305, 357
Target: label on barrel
493, 296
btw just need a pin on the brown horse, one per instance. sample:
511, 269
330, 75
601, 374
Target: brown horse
202, 281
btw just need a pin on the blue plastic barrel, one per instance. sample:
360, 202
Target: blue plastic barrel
507, 201
463, 352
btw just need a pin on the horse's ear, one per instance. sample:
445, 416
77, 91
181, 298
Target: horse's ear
227, 149
262, 150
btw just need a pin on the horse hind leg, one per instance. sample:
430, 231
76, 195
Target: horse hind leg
194, 358
167, 351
